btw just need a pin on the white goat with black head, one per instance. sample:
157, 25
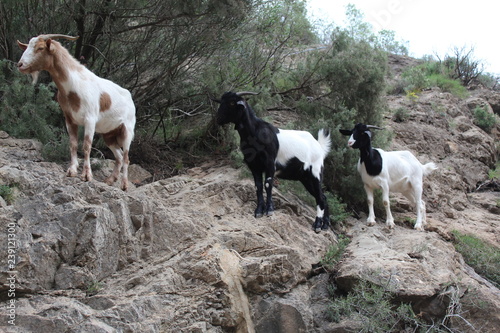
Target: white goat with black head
393, 171
287, 154
86, 100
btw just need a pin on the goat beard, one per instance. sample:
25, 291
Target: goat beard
34, 76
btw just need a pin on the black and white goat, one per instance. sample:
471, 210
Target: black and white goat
394, 171
286, 154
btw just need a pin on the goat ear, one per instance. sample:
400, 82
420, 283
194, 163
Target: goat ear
215, 100
50, 46
369, 134
22, 46
345, 132
241, 103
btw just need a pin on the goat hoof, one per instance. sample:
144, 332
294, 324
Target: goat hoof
270, 213
318, 223
258, 215
370, 224
326, 223
86, 178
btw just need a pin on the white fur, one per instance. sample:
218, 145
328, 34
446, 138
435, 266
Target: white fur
89, 88
403, 173
305, 147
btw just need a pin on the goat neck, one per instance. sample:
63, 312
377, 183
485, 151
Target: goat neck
246, 125
370, 158
63, 63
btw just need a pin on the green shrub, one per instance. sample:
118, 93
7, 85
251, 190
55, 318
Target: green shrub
415, 79
448, 85
401, 115
483, 119
29, 112
7, 193
338, 209
495, 173
335, 253
483, 257
370, 307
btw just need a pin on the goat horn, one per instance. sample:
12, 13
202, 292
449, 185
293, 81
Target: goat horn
374, 127
243, 93
55, 36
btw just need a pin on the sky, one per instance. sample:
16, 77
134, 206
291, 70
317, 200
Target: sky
431, 27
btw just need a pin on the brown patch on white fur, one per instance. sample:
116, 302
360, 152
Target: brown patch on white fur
74, 101
115, 137
104, 102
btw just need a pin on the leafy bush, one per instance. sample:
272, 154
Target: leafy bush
335, 253
7, 193
338, 209
483, 257
415, 79
432, 73
30, 112
495, 173
448, 85
483, 119
371, 307
401, 115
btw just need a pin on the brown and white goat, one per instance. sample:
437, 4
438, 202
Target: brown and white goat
86, 100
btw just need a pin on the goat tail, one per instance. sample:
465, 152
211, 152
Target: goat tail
324, 141
428, 168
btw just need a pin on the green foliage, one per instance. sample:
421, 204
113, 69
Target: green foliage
30, 111
431, 74
483, 257
447, 85
483, 119
370, 306
415, 79
401, 115
495, 173
93, 287
335, 253
388, 42
338, 209
7, 193
360, 30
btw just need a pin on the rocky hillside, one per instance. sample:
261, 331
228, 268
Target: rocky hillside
185, 254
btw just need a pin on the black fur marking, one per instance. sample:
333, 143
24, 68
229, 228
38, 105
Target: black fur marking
293, 170
372, 161
367, 155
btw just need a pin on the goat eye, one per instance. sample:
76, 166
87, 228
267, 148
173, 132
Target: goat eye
40, 49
